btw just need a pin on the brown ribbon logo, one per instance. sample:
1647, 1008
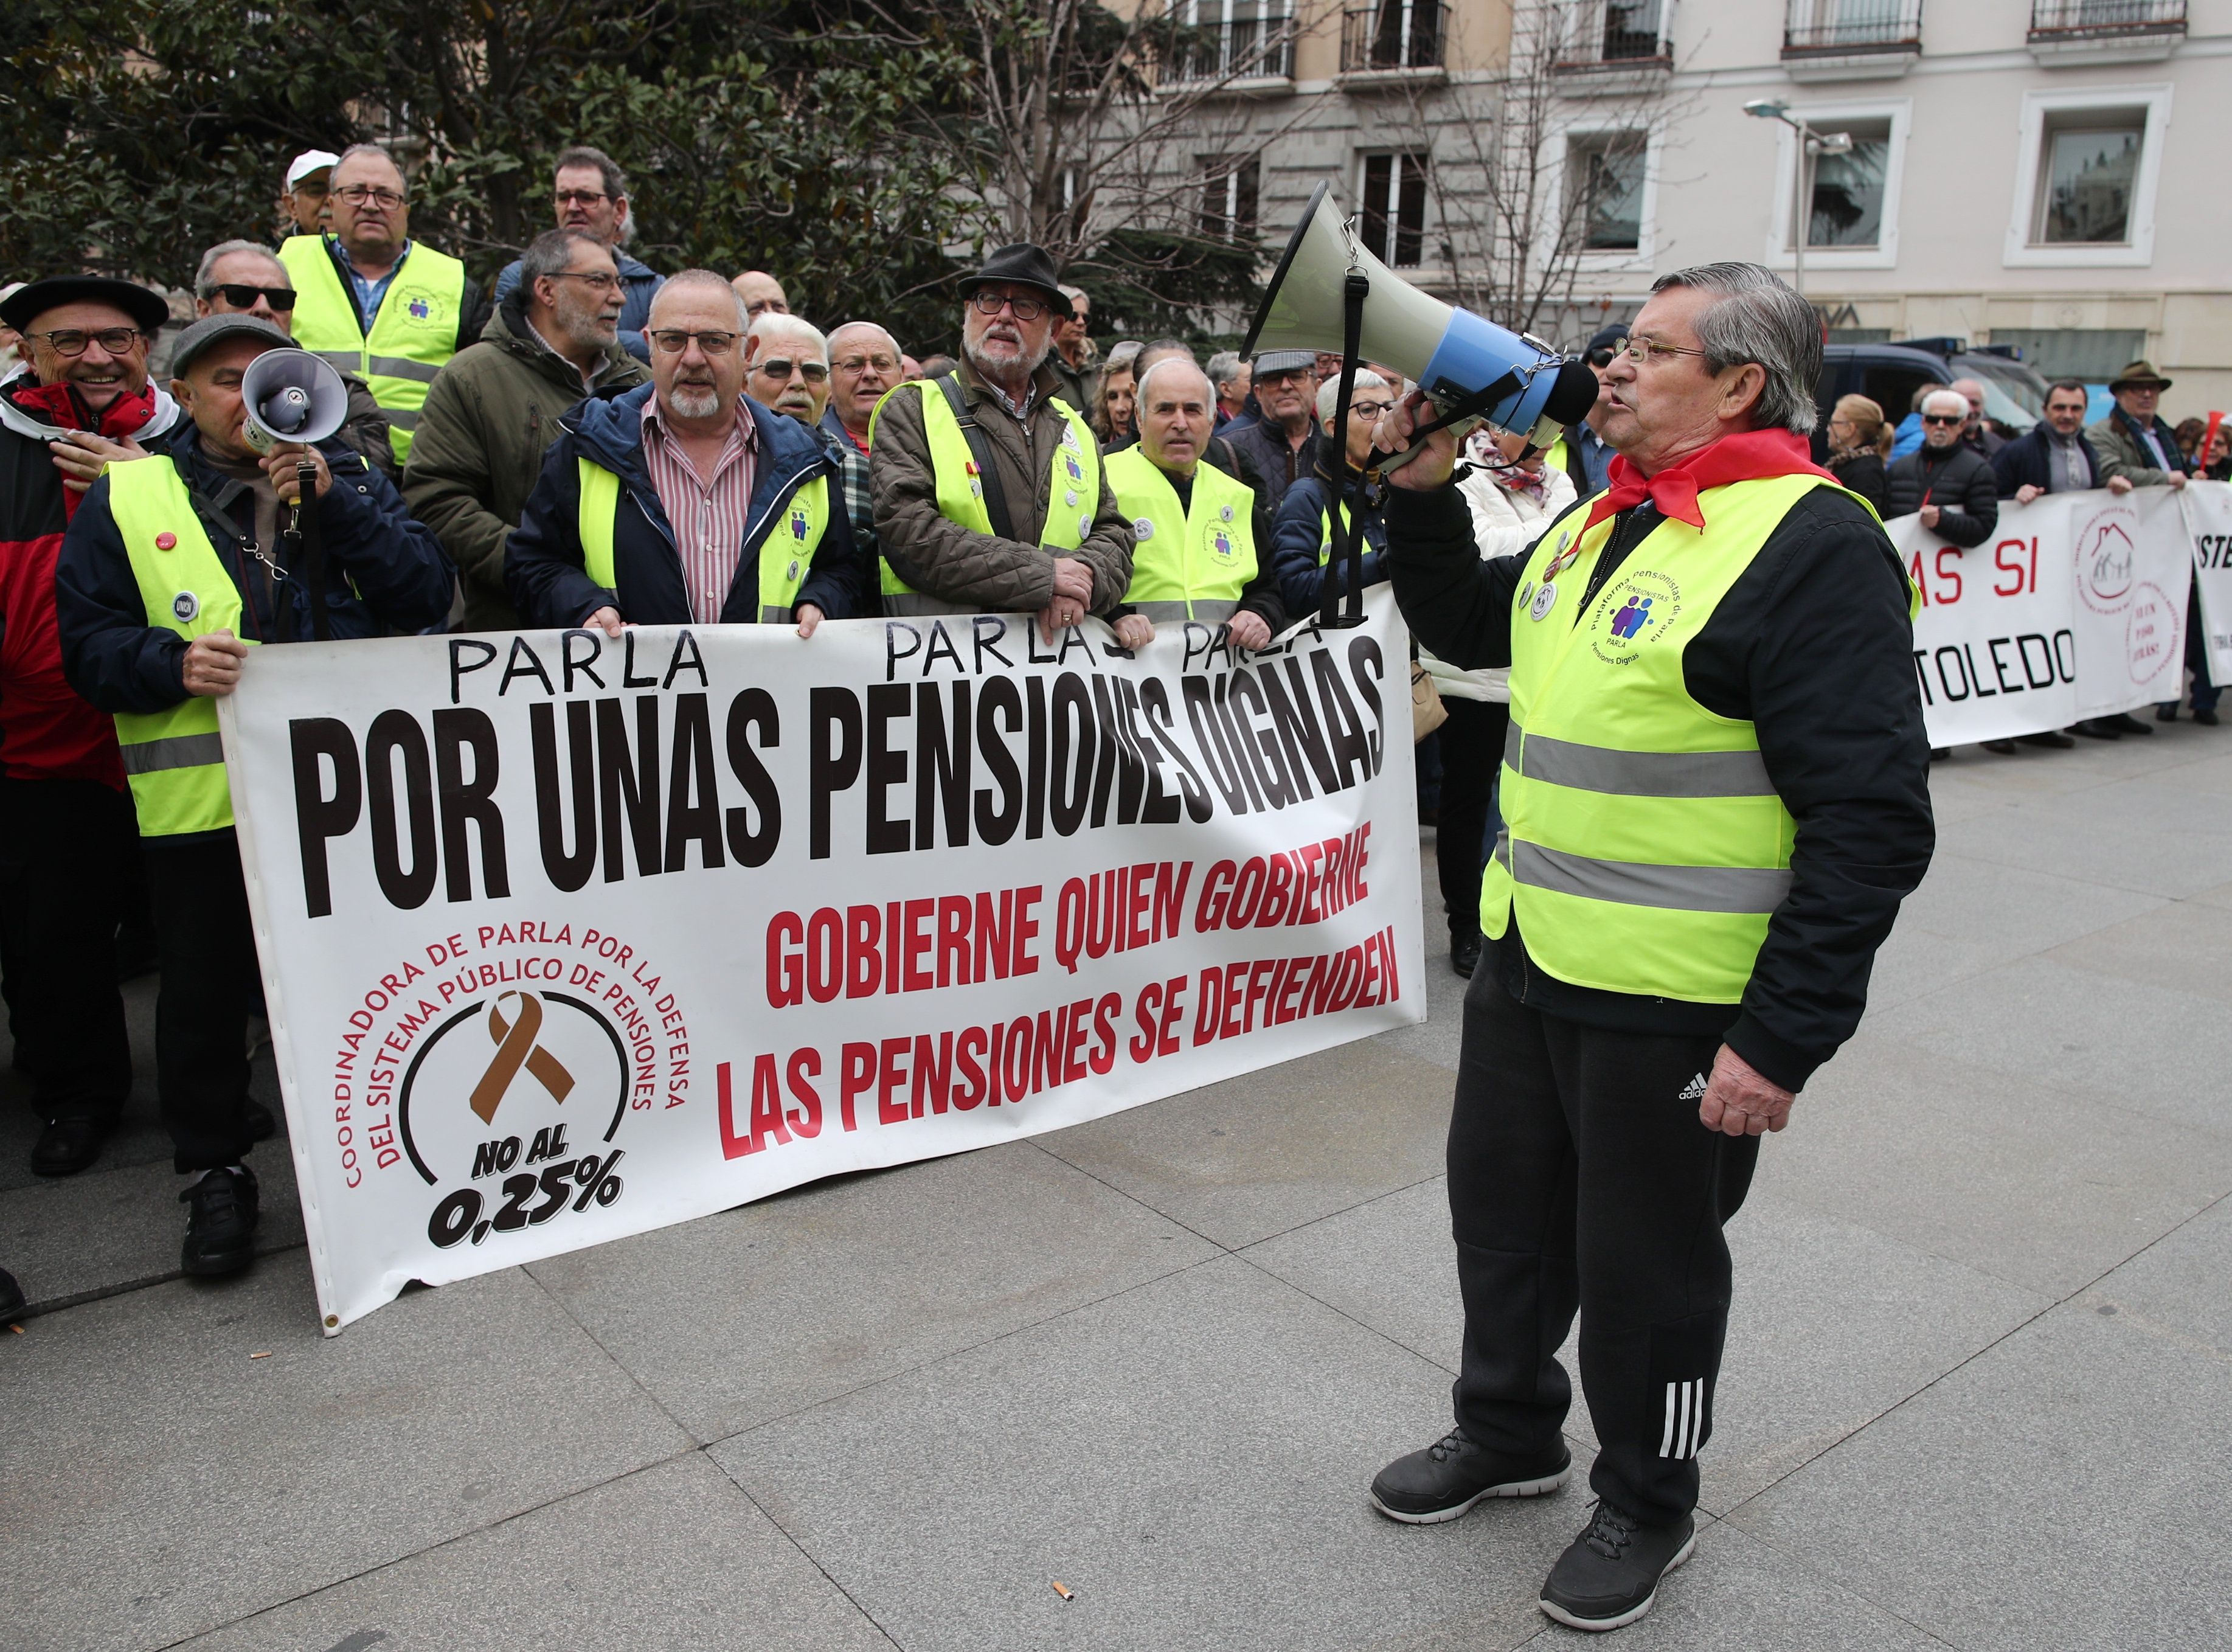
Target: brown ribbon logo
516, 1048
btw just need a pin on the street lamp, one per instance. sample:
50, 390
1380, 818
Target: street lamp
1811, 145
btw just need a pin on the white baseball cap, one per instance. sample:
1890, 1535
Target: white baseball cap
310, 160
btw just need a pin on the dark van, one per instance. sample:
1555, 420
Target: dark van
1888, 375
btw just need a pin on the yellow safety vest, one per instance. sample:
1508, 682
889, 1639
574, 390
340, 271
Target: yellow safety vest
1644, 846
1190, 564
414, 333
786, 553
1073, 485
174, 758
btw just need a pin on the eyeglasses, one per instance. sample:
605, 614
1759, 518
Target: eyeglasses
597, 279
581, 197
672, 342
117, 341
358, 194
1368, 409
776, 367
241, 297
1024, 309
862, 363
1944, 419
1649, 350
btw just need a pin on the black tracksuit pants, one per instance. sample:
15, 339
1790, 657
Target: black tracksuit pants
1472, 756
207, 950
68, 855
1580, 1178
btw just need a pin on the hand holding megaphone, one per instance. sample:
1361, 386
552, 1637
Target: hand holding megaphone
1435, 460
285, 464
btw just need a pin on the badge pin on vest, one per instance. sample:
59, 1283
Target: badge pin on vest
1142, 530
185, 605
1225, 512
791, 573
1543, 599
1085, 527
166, 541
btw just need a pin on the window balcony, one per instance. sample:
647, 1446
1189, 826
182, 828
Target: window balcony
1850, 40
1397, 40
1244, 48
2076, 32
1616, 48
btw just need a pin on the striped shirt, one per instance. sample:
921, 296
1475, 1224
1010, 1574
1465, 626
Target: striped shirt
709, 518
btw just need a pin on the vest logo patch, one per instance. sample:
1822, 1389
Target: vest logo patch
798, 522
185, 606
1222, 544
419, 305
1076, 470
1638, 610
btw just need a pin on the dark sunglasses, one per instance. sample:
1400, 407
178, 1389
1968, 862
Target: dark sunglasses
1601, 356
1944, 419
244, 297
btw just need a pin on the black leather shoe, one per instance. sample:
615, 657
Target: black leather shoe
12, 1296
2206, 718
66, 1146
2049, 739
1452, 1474
1609, 1575
2167, 711
2005, 748
1939, 753
2125, 723
1464, 952
2095, 728
262, 1127
221, 1216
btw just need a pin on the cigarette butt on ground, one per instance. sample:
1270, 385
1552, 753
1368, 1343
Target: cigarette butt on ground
18, 1329
266, 1354
1062, 1590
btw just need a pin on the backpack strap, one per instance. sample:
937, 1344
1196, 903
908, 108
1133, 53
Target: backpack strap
980, 445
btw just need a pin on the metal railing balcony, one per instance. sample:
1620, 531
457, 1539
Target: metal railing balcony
1616, 33
2078, 19
1236, 49
1395, 35
1852, 26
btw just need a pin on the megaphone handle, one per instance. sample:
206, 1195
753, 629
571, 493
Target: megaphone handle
313, 543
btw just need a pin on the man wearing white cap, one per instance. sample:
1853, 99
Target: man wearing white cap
305, 205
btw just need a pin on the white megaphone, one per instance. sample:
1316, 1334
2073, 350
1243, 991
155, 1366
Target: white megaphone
1452, 353
291, 396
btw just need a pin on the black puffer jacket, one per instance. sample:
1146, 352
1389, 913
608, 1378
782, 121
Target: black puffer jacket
1957, 480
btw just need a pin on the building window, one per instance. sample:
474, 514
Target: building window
2089, 174
2094, 354
1631, 30
1236, 40
1394, 212
1603, 191
1849, 189
1229, 185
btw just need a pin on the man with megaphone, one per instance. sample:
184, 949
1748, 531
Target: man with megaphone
175, 566
1716, 793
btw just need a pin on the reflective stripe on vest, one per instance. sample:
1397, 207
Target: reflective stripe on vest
785, 554
1073, 485
414, 333
1644, 847
174, 758
1191, 563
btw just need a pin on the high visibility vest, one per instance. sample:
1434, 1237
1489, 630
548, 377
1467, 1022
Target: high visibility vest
1644, 847
1073, 485
786, 551
1186, 564
174, 758
414, 333
1325, 533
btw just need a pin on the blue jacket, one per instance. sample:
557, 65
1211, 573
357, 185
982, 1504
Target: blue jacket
385, 573
1297, 533
544, 570
2024, 461
638, 281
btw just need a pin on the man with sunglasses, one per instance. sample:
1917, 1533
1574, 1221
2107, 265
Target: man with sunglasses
1950, 485
494, 411
787, 365
68, 844
1581, 453
592, 196
374, 303
684, 502
987, 487
244, 278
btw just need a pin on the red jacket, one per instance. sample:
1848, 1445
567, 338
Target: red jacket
46, 732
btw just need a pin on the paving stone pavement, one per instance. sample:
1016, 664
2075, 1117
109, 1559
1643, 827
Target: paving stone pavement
1975, 1397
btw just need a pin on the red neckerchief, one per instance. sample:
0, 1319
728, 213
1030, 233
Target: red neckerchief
63, 407
1751, 455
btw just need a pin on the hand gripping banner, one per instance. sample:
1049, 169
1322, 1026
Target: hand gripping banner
565, 939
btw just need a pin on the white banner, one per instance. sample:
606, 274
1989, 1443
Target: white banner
2209, 520
2074, 607
565, 939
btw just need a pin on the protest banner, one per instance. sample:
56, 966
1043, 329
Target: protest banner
566, 938
2207, 507
2074, 607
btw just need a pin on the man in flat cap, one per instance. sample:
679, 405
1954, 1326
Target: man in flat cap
987, 486
69, 851
1282, 443
174, 566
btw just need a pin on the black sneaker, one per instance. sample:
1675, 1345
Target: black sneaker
1609, 1575
1464, 952
220, 1223
1453, 1474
